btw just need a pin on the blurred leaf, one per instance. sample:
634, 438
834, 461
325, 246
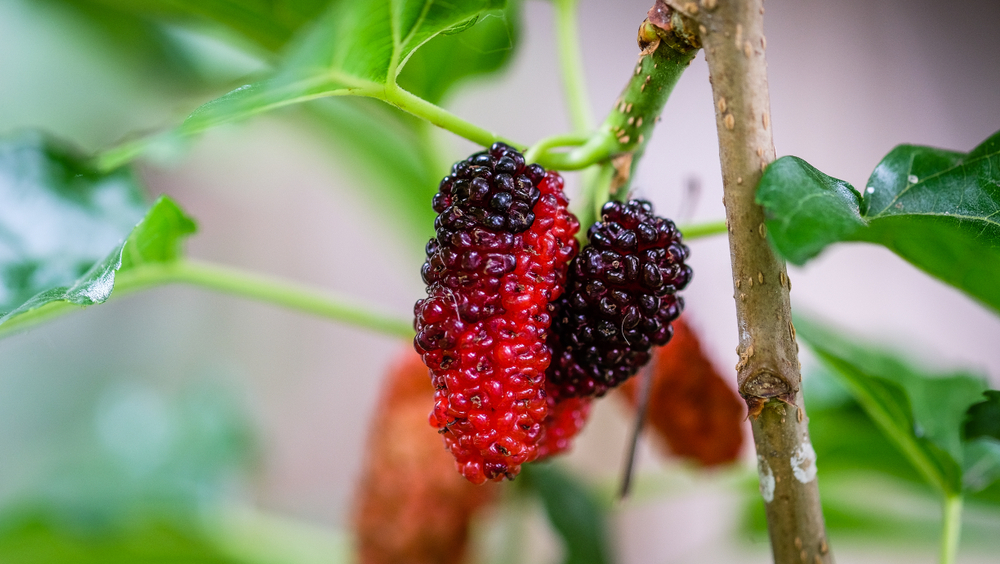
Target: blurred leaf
574, 514
269, 23
62, 228
846, 440
141, 41
921, 414
983, 418
982, 461
849, 443
982, 452
449, 58
869, 488
44, 535
937, 209
355, 49
58, 217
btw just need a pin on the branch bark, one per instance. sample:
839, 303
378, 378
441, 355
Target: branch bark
768, 371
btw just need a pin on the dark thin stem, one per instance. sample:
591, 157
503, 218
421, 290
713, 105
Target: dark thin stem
642, 407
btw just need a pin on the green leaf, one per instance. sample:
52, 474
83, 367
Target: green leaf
452, 57
574, 514
846, 441
269, 23
921, 414
806, 209
938, 209
58, 217
357, 48
982, 452
65, 230
983, 418
37, 535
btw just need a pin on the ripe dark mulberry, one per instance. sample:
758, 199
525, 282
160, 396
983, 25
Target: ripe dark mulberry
503, 243
619, 301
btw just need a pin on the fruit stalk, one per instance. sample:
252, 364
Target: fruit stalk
667, 46
768, 371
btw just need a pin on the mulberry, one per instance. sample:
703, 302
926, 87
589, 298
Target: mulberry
503, 243
620, 300
410, 506
692, 410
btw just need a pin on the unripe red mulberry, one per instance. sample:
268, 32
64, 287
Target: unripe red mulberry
500, 256
620, 300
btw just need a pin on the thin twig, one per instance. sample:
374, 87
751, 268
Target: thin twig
642, 407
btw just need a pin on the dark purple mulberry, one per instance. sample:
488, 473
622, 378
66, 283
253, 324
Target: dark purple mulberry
619, 300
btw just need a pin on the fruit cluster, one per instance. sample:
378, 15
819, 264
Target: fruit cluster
515, 363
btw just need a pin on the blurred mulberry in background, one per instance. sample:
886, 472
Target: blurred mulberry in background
692, 412
411, 506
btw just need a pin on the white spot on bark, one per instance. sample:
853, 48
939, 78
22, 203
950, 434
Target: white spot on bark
766, 479
804, 463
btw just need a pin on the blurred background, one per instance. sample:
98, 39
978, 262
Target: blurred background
178, 396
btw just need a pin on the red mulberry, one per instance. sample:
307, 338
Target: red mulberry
619, 301
566, 419
503, 243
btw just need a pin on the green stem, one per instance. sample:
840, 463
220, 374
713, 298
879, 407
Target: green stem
596, 185
571, 64
952, 528
699, 230
290, 295
442, 118
236, 282
541, 148
599, 147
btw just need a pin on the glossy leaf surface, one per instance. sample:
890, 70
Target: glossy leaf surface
449, 58
58, 217
938, 209
921, 414
65, 230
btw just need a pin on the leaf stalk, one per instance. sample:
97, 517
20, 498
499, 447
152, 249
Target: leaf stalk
952, 528
235, 282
